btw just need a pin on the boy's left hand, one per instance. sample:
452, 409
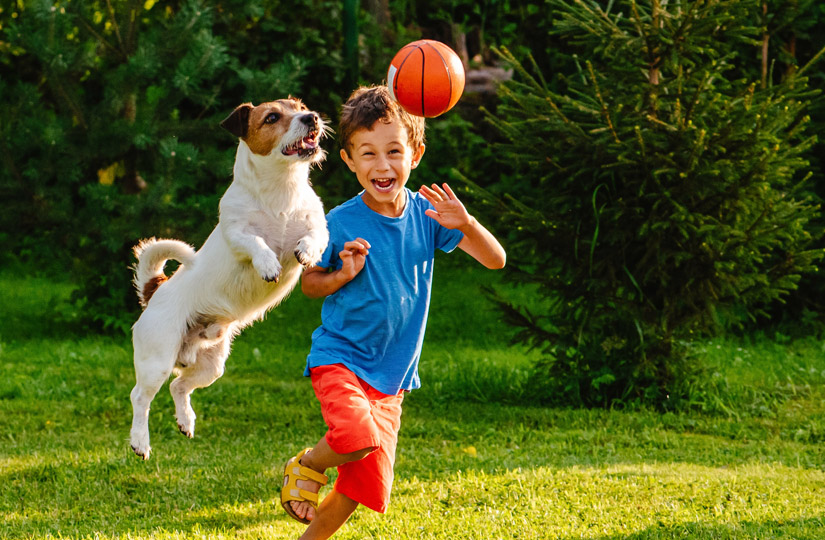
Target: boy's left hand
449, 212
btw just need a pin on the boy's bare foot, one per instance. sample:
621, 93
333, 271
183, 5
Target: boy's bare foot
303, 508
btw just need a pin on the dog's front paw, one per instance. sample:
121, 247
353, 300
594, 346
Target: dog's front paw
308, 253
267, 265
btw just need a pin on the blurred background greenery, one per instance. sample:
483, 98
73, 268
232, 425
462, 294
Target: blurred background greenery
109, 115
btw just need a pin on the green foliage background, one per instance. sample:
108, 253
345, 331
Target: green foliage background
109, 113
138, 91
674, 194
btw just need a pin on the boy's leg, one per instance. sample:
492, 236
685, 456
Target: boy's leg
359, 417
321, 458
335, 510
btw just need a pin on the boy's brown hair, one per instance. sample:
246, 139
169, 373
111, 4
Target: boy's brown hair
370, 104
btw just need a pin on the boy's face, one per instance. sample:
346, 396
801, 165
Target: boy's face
382, 159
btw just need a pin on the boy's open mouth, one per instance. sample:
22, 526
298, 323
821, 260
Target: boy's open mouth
383, 185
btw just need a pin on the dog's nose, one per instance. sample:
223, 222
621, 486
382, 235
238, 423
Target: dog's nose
310, 120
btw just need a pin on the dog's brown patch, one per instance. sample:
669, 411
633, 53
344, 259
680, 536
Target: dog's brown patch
150, 287
269, 122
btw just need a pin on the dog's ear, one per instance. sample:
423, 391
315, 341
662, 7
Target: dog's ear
237, 123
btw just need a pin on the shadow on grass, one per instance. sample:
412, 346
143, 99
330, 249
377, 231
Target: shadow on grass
504, 437
797, 529
80, 494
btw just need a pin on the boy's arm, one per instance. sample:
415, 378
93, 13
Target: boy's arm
318, 281
481, 245
478, 242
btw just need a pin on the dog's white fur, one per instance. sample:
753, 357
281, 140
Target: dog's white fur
271, 226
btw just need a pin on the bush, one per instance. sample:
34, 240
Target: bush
110, 133
654, 196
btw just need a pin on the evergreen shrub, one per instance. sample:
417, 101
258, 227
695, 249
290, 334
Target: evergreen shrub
653, 196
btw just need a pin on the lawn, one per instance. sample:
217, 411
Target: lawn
474, 460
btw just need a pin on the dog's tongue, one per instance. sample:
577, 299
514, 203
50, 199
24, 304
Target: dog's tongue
306, 143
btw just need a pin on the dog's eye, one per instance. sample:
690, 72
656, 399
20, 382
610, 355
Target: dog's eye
271, 118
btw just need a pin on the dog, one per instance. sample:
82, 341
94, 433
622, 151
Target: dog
271, 226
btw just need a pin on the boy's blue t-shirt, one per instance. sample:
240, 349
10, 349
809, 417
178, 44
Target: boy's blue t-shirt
375, 324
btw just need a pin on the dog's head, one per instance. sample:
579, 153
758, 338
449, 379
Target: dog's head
284, 128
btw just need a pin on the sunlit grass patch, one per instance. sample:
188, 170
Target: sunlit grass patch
476, 459
617, 501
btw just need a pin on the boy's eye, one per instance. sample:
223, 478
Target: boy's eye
271, 118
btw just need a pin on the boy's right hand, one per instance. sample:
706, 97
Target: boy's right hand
318, 281
353, 257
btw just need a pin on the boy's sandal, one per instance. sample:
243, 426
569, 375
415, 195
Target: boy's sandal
294, 471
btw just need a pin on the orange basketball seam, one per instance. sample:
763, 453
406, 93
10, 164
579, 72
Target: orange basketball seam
423, 78
400, 70
449, 77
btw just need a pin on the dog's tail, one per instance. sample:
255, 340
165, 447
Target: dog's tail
152, 255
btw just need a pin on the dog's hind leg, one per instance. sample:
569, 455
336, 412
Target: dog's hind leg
156, 347
151, 372
208, 367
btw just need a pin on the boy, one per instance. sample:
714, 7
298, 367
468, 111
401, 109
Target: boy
376, 275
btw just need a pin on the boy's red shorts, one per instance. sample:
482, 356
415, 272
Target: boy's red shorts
358, 417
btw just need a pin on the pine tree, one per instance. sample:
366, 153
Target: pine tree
653, 195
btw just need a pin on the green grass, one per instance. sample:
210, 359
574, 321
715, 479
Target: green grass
474, 460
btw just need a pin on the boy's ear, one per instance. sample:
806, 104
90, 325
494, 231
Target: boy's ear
347, 159
417, 155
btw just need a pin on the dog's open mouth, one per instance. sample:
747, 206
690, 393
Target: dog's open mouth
303, 147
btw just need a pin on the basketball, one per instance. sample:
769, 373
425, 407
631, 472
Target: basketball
426, 78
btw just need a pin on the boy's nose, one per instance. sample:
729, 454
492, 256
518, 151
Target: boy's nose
383, 163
